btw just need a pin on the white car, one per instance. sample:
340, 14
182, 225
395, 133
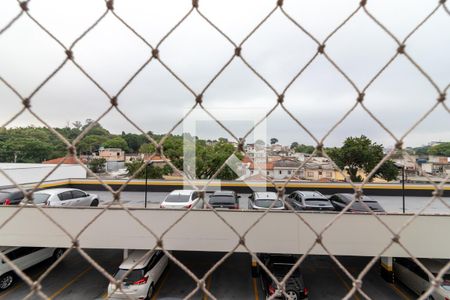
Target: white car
23, 258
140, 282
182, 199
411, 275
64, 197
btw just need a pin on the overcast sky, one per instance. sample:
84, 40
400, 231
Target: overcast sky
195, 51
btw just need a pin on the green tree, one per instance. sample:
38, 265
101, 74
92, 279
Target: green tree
134, 141
360, 153
97, 165
153, 172
116, 142
440, 149
304, 149
294, 145
273, 141
91, 143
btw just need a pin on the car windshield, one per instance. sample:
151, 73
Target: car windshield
268, 202
134, 275
177, 198
40, 198
221, 199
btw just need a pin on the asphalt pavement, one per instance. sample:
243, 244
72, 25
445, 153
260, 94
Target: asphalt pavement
75, 278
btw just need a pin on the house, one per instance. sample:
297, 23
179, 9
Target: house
130, 157
67, 160
111, 154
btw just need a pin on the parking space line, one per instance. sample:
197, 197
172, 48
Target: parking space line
255, 288
399, 292
72, 281
162, 281
355, 295
208, 285
33, 277
7, 292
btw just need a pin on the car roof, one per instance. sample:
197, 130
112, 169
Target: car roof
6, 249
56, 191
133, 257
266, 195
311, 194
351, 196
12, 190
223, 193
182, 192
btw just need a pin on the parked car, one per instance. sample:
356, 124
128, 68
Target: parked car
411, 275
224, 199
65, 197
340, 201
140, 282
279, 266
264, 200
23, 258
182, 199
11, 196
306, 200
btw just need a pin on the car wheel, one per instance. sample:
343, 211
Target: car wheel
94, 202
6, 281
58, 253
292, 295
150, 292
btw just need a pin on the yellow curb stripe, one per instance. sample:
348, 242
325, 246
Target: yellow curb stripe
158, 288
345, 283
72, 281
208, 285
255, 289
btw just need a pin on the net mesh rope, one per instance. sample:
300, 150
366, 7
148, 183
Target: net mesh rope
197, 103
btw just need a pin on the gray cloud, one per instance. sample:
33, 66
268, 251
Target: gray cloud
195, 51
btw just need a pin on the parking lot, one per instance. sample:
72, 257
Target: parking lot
392, 204
75, 278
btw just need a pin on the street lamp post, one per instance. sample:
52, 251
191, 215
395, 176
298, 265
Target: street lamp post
403, 187
147, 163
402, 166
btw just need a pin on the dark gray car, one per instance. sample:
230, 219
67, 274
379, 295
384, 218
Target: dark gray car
306, 200
224, 199
279, 266
340, 201
11, 196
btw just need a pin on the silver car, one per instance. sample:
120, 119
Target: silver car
64, 197
416, 279
265, 200
308, 200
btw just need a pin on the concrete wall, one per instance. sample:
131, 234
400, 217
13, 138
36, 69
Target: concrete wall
33, 173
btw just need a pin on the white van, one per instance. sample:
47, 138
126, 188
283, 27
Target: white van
23, 258
411, 275
140, 282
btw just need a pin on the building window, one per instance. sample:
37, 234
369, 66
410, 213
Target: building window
320, 173
118, 153
267, 172
289, 172
309, 174
280, 172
